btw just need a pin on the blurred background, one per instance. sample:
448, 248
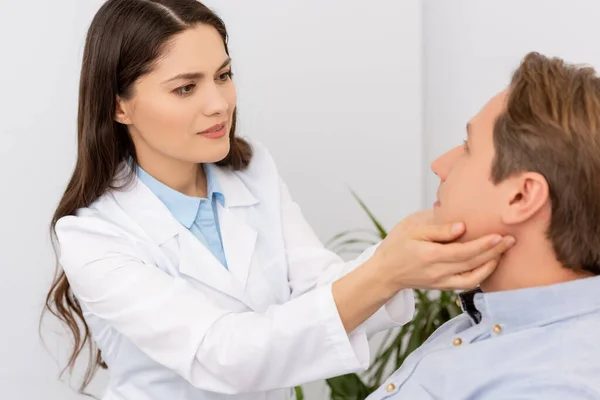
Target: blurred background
346, 94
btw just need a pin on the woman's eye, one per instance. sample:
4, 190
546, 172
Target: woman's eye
225, 76
185, 90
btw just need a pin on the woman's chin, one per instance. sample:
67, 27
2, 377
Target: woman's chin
213, 152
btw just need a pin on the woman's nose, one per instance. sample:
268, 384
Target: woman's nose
215, 101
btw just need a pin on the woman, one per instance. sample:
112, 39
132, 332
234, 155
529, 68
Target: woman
184, 256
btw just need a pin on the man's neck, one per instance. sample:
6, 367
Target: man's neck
530, 263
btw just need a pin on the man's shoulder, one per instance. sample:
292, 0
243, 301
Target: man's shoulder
451, 327
553, 360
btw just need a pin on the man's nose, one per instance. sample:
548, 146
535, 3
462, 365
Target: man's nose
442, 165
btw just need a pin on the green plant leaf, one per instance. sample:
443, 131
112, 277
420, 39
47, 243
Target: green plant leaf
299, 393
348, 233
353, 246
434, 312
384, 356
365, 242
416, 338
423, 297
380, 228
348, 387
433, 309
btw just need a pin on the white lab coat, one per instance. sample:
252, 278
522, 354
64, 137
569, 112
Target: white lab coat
173, 323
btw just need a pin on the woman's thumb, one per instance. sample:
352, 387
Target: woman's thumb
439, 233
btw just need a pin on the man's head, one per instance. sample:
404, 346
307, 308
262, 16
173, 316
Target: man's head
531, 163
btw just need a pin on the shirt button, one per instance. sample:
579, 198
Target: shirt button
457, 342
497, 329
390, 388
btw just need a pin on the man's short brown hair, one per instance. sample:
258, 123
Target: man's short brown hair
551, 126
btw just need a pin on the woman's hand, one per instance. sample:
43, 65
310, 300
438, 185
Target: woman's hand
416, 254
419, 254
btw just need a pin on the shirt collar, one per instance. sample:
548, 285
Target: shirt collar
184, 208
213, 185
522, 308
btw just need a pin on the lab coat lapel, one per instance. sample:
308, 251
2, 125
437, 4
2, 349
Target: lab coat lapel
239, 241
197, 262
146, 210
239, 238
156, 221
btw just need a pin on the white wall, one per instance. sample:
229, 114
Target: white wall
41, 46
332, 87
471, 48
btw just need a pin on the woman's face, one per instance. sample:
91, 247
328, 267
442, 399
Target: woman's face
182, 110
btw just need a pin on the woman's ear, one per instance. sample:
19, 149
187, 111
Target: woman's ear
121, 112
527, 193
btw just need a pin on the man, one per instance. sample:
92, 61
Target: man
530, 168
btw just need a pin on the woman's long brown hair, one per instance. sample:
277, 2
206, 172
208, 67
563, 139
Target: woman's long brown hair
124, 40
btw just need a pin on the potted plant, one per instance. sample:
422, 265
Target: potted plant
433, 308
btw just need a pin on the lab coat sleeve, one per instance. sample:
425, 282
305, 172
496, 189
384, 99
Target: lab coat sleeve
214, 349
312, 265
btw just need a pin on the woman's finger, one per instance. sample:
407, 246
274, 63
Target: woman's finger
476, 251
470, 279
438, 233
453, 259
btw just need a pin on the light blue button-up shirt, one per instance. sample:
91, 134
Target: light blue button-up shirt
537, 343
199, 215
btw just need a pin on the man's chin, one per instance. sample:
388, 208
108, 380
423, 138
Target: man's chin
439, 217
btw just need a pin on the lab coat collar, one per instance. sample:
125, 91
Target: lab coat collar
183, 207
143, 206
239, 238
235, 192
152, 214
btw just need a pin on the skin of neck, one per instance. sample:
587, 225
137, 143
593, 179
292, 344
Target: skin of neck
186, 177
531, 262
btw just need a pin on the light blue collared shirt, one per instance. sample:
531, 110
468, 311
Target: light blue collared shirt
538, 343
199, 215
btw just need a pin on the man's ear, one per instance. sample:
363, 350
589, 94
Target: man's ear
122, 112
527, 193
